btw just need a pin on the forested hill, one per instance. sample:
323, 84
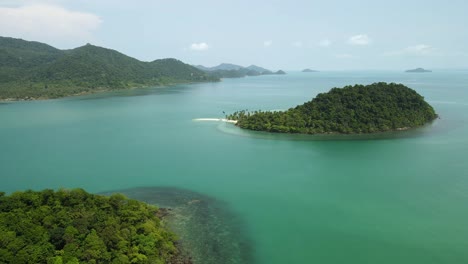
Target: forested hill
30, 70
352, 109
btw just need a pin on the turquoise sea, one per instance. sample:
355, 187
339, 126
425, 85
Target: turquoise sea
294, 199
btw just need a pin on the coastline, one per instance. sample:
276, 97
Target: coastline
216, 120
338, 134
98, 90
51, 98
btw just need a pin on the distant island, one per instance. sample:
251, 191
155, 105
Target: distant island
73, 226
280, 72
354, 109
33, 70
418, 70
228, 70
308, 70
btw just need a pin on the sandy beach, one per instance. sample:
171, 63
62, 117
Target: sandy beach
216, 120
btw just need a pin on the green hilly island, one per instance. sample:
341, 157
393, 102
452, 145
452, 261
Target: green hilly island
73, 226
354, 109
34, 70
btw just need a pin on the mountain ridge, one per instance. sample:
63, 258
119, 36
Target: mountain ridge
35, 70
228, 70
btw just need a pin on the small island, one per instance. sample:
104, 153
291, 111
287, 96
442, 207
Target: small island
280, 72
418, 70
309, 70
357, 109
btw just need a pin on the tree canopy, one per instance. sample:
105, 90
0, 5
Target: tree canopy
72, 226
352, 109
36, 70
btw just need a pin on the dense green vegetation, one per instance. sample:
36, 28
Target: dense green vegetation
353, 109
75, 226
35, 70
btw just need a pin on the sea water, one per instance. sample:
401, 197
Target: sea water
295, 199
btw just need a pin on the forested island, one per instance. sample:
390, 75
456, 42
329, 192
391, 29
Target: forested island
33, 70
73, 226
354, 109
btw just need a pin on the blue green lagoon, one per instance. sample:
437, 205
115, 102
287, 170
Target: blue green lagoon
394, 198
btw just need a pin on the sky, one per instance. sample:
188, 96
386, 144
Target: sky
288, 35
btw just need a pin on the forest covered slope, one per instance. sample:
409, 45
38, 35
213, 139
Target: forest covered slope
32, 70
352, 109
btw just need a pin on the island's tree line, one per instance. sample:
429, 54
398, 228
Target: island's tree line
73, 226
353, 109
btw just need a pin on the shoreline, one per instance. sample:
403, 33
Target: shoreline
96, 91
234, 122
215, 120
338, 134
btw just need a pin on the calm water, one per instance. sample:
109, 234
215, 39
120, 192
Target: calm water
302, 200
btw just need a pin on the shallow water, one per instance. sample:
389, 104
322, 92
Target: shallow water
207, 231
388, 200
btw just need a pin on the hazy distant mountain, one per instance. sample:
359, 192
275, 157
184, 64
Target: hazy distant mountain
227, 67
266, 72
257, 69
201, 67
309, 70
418, 70
222, 67
30, 70
227, 70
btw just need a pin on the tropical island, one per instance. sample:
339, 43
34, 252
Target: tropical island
73, 226
357, 109
418, 70
309, 70
33, 70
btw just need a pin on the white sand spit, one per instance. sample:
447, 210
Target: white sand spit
216, 120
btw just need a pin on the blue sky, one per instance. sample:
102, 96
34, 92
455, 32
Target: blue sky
290, 35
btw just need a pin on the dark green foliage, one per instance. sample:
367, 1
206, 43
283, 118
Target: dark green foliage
36, 70
75, 226
353, 109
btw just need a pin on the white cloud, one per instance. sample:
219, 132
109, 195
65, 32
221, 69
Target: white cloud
361, 39
48, 23
344, 56
324, 43
416, 50
297, 44
202, 46
267, 43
